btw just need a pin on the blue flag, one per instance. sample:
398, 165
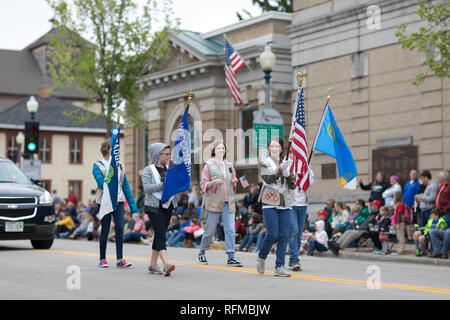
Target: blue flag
111, 183
331, 142
178, 177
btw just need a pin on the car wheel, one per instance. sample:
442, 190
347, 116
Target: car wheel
42, 244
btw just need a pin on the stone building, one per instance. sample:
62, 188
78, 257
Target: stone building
389, 124
197, 62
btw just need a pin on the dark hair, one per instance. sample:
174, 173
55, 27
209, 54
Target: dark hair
437, 212
184, 217
104, 148
257, 218
341, 205
426, 173
213, 150
361, 202
281, 143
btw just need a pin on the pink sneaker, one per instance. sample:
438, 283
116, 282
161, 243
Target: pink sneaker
103, 263
122, 263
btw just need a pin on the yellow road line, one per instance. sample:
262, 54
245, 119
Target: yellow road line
253, 271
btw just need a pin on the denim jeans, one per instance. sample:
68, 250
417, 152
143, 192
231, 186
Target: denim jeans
277, 224
176, 237
297, 223
248, 241
424, 216
259, 240
440, 240
133, 236
118, 226
315, 245
212, 219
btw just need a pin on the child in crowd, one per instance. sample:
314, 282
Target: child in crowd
173, 225
340, 217
179, 234
85, 228
319, 241
383, 228
189, 237
199, 233
304, 244
65, 226
138, 232
422, 236
255, 226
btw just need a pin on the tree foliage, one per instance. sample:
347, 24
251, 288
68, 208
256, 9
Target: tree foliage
121, 50
269, 5
433, 39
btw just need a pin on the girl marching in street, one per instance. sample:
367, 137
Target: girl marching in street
218, 185
277, 197
297, 223
124, 192
153, 178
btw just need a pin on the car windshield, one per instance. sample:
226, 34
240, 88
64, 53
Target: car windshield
10, 173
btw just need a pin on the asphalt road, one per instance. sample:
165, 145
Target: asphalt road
69, 270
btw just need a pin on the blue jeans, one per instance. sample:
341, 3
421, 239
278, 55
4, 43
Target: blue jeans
248, 241
118, 226
424, 216
176, 237
440, 240
297, 223
277, 224
212, 220
134, 236
259, 240
315, 245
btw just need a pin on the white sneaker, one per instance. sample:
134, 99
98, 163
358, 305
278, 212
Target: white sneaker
260, 264
281, 272
145, 241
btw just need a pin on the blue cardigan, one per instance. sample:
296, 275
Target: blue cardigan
100, 179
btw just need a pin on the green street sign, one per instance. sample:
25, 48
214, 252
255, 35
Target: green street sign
267, 123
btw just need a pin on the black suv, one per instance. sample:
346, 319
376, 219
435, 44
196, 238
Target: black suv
26, 209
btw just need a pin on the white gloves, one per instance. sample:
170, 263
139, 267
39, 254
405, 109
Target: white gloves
285, 166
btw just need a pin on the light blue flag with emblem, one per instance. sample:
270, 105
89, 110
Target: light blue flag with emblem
331, 142
178, 177
111, 183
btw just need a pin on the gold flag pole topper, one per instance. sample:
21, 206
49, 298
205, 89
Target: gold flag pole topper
189, 95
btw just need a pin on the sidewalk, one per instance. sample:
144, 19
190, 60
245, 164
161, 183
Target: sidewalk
408, 255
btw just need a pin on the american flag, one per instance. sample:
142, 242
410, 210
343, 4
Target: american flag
299, 144
233, 63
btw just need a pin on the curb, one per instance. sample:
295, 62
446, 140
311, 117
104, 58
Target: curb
364, 256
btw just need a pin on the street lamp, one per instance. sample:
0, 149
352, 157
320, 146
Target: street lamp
267, 60
20, 138
32, 107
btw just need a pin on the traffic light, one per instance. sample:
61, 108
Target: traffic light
31, 137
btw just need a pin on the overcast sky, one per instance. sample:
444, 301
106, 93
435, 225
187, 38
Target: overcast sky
23, 21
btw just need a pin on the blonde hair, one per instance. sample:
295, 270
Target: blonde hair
398, 197
384, 211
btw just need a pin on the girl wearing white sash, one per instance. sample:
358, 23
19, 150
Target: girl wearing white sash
277, 198
159, 214
218, 185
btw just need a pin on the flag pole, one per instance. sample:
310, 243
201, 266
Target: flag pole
300, 77
330, 90
226, 38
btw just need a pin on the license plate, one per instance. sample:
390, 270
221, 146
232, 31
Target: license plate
14, 226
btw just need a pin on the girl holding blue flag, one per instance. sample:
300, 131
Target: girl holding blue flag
100, 172
277, 198
153, 178
218, 185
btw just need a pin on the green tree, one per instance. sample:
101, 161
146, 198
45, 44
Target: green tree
122, 49
269, 5
433, 39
